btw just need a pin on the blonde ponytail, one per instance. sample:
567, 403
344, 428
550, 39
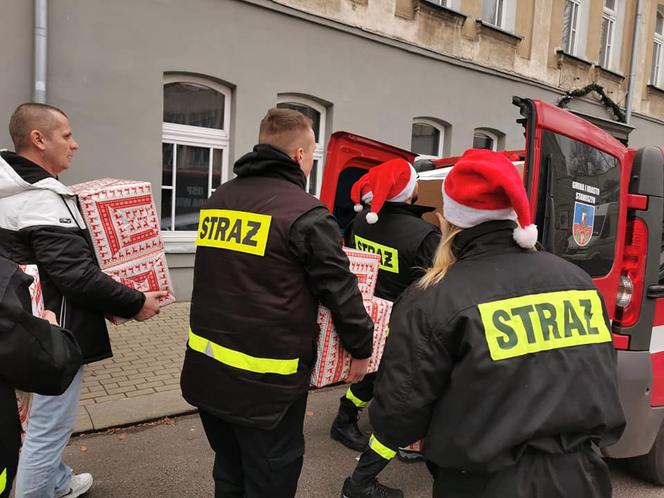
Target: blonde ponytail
444, 257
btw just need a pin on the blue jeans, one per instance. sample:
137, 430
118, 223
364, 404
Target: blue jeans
41, 472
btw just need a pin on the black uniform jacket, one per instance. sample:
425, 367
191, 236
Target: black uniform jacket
405, 242
510, 350
40, 224
34, 357
267, 254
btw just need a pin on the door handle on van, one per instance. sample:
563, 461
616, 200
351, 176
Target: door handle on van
655, 291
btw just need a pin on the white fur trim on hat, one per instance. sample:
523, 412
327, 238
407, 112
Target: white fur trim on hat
408, 189
368, 197
526, 237
466, 217
372, 218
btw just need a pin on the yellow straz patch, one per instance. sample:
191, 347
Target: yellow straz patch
233, 230
541, 322
389, 257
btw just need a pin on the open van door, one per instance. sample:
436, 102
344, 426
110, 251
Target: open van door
598, 205
348, 158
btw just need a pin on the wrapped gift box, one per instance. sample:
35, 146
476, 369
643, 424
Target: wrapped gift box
417, 446
124, 227
23, 399
333, 361
365, 267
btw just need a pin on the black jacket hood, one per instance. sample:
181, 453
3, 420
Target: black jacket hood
266, 160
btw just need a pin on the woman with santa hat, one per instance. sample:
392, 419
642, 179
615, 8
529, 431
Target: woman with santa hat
500, 357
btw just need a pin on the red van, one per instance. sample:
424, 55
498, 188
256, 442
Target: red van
598, 204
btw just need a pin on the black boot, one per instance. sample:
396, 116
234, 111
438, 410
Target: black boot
344, 428
372, 490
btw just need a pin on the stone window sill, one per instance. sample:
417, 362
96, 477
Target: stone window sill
447, 12
611, 74
512, 38
564, 56
657, 90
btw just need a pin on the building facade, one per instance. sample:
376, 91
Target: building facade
172, 91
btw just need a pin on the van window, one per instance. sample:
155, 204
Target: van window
578, 202
343, 206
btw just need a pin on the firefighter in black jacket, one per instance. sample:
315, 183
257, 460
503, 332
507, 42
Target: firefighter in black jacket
35, 356
406, 244
267, 253
501, 357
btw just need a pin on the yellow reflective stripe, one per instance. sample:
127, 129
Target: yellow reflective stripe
356, 401
240, 360
542, 322
381, 449
389, 256
3, 480
233, 230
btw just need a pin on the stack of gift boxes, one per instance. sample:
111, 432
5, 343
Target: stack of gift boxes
333, 362
124, 227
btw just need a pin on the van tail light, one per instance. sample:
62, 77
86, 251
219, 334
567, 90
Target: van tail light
632, 279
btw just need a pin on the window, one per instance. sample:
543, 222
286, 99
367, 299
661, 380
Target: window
427, 137
578, 203
442, 3
493, 12
571, 16
486, 139
656, 78
318, 115
608, 33
195, 138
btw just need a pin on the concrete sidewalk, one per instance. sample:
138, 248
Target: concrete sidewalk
142, 380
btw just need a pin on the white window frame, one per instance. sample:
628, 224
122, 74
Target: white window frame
319, 152
441, 130
489, 134
196, 136
656, 75
611, 17
572, 43
442, 3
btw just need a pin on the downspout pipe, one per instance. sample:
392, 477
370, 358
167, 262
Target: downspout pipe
632, 63
41, 46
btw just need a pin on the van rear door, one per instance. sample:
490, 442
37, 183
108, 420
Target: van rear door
348, 158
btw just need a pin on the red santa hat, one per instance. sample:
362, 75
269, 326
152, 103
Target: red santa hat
486, 186
392, 181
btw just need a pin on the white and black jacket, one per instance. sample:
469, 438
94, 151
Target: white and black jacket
40, 224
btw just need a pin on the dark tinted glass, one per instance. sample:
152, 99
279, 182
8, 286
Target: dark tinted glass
217, 156
167, 164
425, 139
578, 203
194, 105
313, 178
309, 112
166, 199
191, 191
482, 141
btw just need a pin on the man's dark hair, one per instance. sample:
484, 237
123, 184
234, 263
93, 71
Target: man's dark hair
31, 116
282, 128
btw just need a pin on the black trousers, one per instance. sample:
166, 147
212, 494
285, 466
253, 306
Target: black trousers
582, 474
256, 463
365, 388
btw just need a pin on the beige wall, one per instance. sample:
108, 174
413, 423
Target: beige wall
539, 22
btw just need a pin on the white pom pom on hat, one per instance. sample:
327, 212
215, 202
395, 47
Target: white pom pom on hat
358, 208
485, 186
372, 217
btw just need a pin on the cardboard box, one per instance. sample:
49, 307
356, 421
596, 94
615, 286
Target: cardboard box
124, 227
333, 361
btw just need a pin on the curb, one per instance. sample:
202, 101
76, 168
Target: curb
128, 411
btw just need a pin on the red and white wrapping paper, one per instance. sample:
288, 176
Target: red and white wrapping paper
23, 399
416, 447
365, 267
333, 361
122, 220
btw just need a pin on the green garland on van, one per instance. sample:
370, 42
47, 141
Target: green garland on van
606, 100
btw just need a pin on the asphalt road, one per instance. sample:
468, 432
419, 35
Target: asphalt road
173, 459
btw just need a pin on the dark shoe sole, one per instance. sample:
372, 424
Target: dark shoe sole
337, 436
